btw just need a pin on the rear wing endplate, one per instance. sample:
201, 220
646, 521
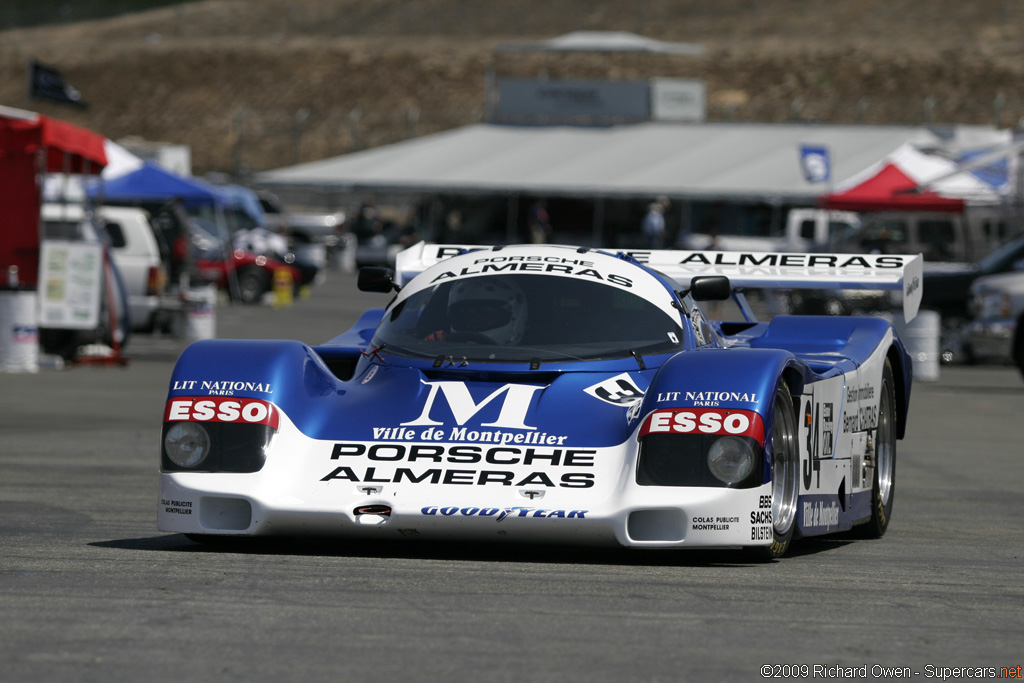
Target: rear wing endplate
903, 272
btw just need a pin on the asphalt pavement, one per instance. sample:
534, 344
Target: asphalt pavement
91, 591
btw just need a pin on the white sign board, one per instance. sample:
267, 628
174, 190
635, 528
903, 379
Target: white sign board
521, 97
70, 282
678, 99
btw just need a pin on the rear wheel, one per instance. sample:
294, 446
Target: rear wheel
785, 475
884, 478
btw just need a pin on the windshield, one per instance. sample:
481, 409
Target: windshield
1003, 257
524, 318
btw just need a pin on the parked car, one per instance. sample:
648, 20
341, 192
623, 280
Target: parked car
315, 236
947, 286
240, 217
996, 334
245, 275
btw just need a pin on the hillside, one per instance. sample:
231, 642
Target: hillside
258, 84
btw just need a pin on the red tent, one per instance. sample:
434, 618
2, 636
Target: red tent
890, 190
911, 180
31, 144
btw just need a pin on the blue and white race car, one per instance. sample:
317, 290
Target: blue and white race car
546, 393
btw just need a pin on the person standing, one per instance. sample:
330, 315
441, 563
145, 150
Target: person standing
540, 223
654, 223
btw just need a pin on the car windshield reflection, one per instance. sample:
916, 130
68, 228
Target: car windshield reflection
526, 318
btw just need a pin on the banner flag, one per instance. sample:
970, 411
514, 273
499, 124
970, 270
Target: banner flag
47, 83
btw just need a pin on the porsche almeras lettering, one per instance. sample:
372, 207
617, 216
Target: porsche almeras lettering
554, 394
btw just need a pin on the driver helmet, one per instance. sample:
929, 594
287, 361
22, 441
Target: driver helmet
491, 306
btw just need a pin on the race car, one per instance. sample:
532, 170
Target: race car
542, 393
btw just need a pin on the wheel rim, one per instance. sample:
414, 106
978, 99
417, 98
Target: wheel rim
886, 447
784, 470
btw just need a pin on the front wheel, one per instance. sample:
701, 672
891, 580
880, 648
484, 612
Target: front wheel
785, 475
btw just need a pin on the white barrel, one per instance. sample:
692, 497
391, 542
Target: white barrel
200, 313
19, 331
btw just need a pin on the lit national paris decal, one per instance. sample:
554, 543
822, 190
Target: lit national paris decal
705, 421
218, 409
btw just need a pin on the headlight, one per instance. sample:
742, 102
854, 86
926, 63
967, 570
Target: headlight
731, 459
187, 444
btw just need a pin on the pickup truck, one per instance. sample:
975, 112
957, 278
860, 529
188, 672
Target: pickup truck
947, 286
806, 230
997, 331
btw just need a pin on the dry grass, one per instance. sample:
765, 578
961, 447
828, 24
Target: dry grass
231, 78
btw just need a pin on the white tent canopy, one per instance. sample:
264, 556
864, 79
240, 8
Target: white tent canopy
717, 161
58, 187
604, 41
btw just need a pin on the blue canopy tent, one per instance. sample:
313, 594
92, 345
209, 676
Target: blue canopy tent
242, 200
231, 206
151, 185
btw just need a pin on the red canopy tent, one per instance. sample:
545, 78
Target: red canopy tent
911, 180
31, 144
891, 190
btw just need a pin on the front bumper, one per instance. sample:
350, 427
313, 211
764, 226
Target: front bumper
654, 517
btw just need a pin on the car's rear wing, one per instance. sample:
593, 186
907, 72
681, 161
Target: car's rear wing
901, 272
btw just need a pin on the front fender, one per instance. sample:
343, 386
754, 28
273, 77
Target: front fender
286, 373
737, 378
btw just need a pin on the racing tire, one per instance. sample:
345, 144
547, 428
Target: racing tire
253, 283
884, 477
785, 476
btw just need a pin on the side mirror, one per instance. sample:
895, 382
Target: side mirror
710, 288
377, 280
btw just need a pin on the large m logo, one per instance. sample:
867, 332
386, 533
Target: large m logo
516, 404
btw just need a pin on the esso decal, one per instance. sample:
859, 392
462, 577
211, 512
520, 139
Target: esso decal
705, 421
221, 409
